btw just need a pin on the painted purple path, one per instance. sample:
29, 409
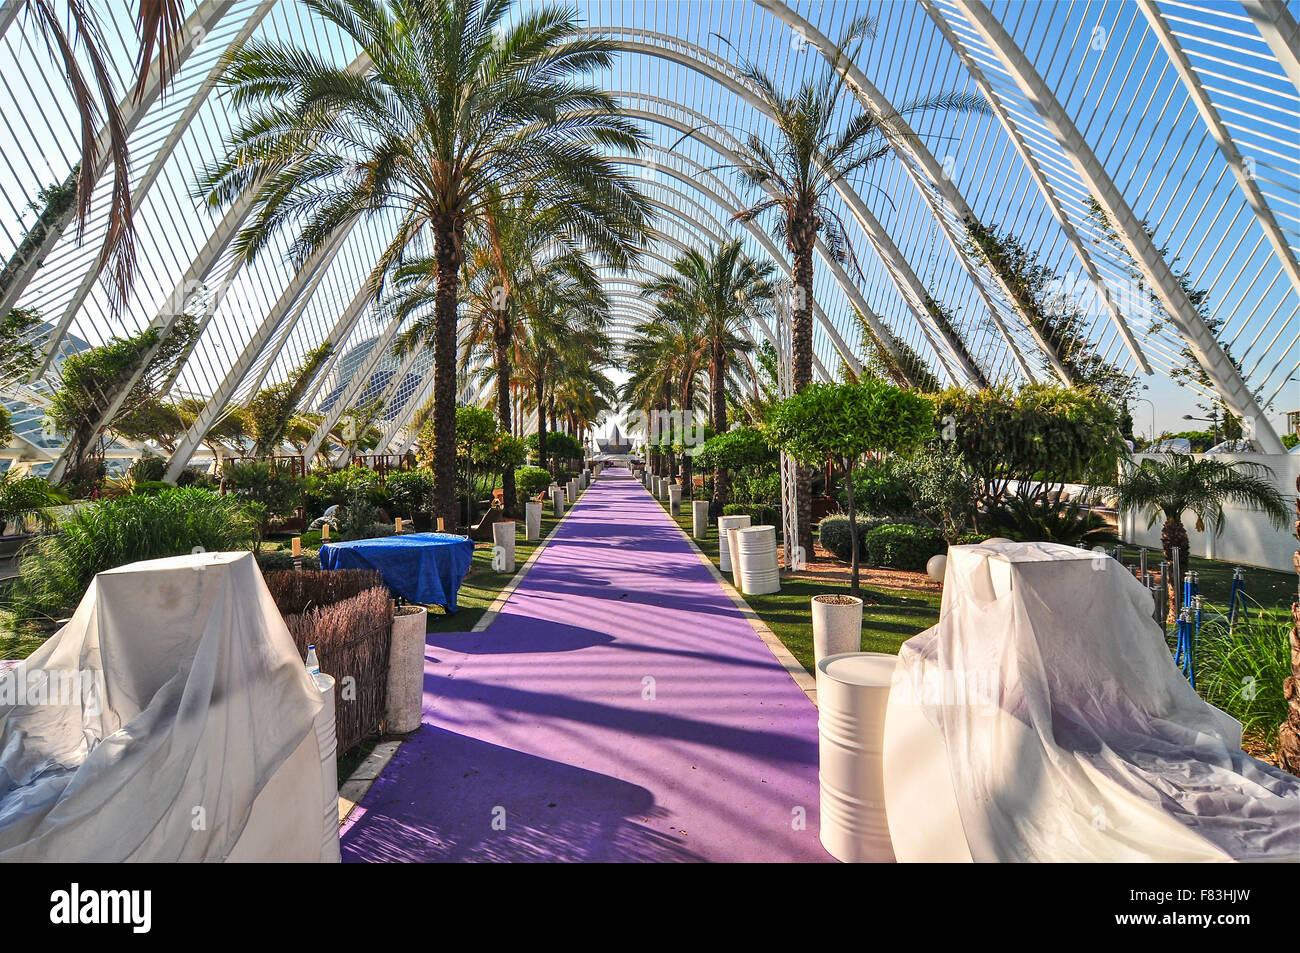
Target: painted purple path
619, 709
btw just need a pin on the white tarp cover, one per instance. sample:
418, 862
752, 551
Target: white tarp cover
191, 695
1070, 733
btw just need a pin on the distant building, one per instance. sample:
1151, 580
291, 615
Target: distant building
615, 444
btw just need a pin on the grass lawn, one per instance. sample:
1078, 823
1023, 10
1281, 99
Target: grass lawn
889, 618
892, 616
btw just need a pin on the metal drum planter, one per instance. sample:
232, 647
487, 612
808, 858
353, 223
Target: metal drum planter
852, 698
724, 549
754, 556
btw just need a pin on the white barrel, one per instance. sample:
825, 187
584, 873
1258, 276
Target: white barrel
503, 546
836, 625
328, 741
406, 672
557, 502
700, 518
753, 553
533, 520
675, 499
724, 548
852, 698
735, 558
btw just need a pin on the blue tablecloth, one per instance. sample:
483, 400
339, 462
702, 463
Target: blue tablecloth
427, 568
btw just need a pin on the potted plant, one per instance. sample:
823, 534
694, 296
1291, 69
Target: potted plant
844, 422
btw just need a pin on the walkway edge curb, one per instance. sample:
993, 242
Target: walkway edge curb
807, 683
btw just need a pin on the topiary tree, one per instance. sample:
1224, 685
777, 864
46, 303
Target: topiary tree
739, 449
846, 421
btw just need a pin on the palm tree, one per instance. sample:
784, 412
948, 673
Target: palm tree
1175, 483
724, 286
665, 361
457, 108
815, 148
564, 340
523, 242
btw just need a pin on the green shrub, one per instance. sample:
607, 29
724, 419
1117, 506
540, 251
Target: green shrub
150, 487
757, 489
1242, 674
1037, 520
530, 481
358, 518
759, 515
833, 531
902, 545
259, 481
281, 560
115, 532
147, 469
877, 490
410, 491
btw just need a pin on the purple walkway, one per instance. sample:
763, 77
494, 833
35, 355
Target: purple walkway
618, 709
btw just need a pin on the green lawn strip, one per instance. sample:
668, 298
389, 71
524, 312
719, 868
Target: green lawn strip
889, 617
1268, 593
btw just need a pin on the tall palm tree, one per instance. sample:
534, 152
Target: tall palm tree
1176, 483
460, 104
666, 361
816, 147
564, 340
524, 242
725, 287
70, 37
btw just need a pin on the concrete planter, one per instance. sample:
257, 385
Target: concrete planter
664, 487
557, 502
724, 543
700, 519
836, 625
503, 546
406, 670
675, 499
532, 520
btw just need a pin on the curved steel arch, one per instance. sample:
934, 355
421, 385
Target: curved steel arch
1044, 186
702, 61
1224, 375
1223, 139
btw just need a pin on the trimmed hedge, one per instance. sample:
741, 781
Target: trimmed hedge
758, 514
902, 545
833, 531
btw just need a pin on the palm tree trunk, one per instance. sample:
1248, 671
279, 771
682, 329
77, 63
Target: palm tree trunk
448, 235
541, 425
718, 409
501, 342
802, 241
1172, 534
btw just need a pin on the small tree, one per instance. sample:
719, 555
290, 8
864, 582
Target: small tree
738, 449
845, 421
1176, 483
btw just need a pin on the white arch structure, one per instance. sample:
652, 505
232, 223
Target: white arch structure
1054, 157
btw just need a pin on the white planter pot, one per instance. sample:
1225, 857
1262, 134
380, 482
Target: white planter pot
532, 520
406, 671
675, 500
569, 492
664, 487
852, 698
837, 625
557, 502
724, 542
700, 518
753, 555
503, 546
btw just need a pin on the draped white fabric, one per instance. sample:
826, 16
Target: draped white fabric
1070, 735
189, 694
